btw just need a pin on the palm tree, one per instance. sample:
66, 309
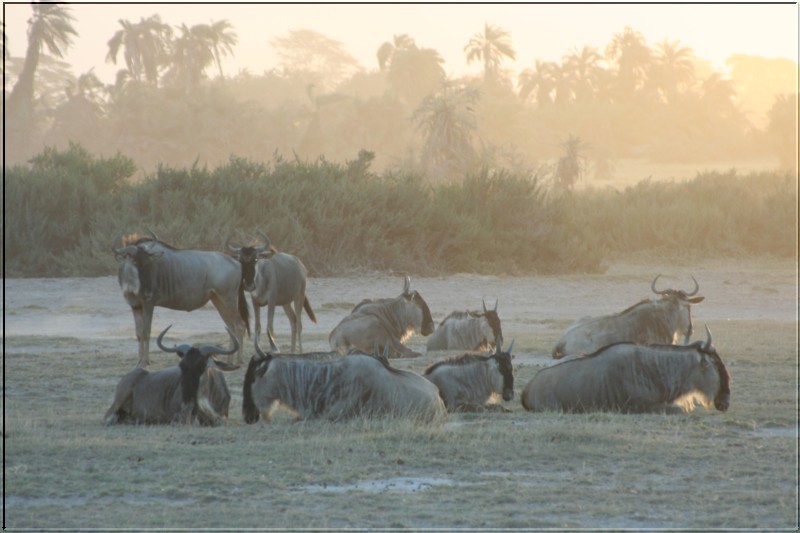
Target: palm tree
491, 46
447, 122
387, 50
51, 27
222, 39
197, 48
540, 80
672, 70
633, 58
572, 165
583, 68
146, 47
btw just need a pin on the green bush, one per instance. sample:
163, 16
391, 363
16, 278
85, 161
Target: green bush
63, 211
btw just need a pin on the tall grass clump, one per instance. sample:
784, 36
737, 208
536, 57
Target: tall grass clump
714, 213
52, 208
65, 208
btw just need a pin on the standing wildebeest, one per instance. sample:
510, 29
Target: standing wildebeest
468, 330
660, 321
386, 321
631, 378
194, 389
356, 385
275, 278
153, 273
469, 381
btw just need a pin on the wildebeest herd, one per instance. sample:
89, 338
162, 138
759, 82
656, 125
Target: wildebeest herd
629, 362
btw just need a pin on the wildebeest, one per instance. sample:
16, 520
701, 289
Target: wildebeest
632, 378
356, 385
467, 382
657, 321
155, 274
468, 330
275, 278
386, 321
195, 389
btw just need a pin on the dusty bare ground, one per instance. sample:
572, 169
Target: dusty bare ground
67, 342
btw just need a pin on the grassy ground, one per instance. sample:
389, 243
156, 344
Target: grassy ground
705, 470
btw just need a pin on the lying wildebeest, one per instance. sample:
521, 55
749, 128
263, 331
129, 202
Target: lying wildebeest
275, 278
386, 321
195, 389
356, 385
468, 330
631, 378
658, 321
155, 274
467, 382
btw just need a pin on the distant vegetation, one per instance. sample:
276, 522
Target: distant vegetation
62, 211
172, 104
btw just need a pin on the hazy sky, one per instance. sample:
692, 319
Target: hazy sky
544, 32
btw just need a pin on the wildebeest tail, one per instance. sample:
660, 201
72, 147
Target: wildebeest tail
309, 311
242, 304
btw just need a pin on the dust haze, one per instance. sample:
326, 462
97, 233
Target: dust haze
603, 114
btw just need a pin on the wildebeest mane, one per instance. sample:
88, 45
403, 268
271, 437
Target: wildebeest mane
136, 239
458, 360
675, 347
637, 304
459, 314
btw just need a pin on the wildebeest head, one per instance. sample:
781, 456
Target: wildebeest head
506, 369
493, 322
682, 302
136, 272
257, 367
414, 297
712, 362
194, 363
248, 257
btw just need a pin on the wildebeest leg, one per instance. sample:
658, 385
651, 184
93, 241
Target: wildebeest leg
294, 323
143, 319
401, 350
270, 318
230, 315
256, 315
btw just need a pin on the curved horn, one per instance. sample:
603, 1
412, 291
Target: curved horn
213, 349
180, 350
499, 348
272, 347
230, 248
707, 345
653, 286
153, 235
407, 285
484, 305
496, 301
696, 288
264, 247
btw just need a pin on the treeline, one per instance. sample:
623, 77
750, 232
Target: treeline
63, 210
172, 104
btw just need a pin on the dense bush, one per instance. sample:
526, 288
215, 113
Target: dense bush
63, 211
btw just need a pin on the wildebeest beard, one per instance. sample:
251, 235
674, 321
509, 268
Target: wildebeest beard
192, 365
